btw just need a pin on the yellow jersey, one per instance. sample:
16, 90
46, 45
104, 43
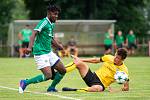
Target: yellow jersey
107, 71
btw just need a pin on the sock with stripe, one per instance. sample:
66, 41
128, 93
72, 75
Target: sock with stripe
36, 79
83, 89
70, 67
58, 77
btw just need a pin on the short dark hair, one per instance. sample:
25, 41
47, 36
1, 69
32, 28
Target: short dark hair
53, 8
122, 52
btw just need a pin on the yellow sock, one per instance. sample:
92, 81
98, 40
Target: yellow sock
60, 54
83, 89
70, 67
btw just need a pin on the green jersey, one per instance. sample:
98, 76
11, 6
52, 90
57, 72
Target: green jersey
26, 33
119, 39
108, 40
131, 38
43, 40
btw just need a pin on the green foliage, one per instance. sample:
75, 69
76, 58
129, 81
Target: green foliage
128, 13
10, 9
5, 9
19, 12
5, 17
37, 8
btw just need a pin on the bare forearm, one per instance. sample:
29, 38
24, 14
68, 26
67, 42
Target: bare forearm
112, 90
125, 86
91, 60
57, 44
32, 38
19, 36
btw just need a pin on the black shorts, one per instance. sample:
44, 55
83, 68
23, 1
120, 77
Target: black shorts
132, 45
119, 46
108, 47
92, 79
25, 44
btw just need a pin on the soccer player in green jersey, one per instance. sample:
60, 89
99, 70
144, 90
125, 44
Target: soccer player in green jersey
131, 42
42, 40
24, 39
119, 39
108, 41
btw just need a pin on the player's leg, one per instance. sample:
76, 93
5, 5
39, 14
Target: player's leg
70, 67
81, 66
58, 65
37, 79
61, 70
43, 65
68, 51
58, 76
20, 52
76, 51
94, 88
129, 49
22, 49
94, 83
25, 47
91, 79
47, 74
107, 50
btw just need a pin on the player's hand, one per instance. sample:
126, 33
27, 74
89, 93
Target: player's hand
28, 51
76, 59
110, 89
124, 89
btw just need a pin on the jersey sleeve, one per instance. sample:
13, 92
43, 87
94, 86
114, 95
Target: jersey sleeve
21, 31
106, 58
40, 25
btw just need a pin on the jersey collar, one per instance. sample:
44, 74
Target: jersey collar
48, 20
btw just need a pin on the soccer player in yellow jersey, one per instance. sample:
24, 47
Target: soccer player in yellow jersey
102, 78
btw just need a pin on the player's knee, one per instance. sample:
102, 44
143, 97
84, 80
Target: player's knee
48, 76
97, 88
81, 65
63, 71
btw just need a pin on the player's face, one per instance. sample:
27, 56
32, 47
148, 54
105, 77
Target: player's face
53, 16
118, 60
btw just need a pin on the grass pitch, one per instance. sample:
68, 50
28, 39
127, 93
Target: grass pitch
14, 69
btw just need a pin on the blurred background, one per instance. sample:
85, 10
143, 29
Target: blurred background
86, 20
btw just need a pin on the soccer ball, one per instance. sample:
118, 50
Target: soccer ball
120, 77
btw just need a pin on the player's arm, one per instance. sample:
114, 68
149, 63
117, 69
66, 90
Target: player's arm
92, 60
57, 44
32, 38
126, 42
19, 36
125, 86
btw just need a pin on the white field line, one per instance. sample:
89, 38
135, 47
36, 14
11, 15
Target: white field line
49, 94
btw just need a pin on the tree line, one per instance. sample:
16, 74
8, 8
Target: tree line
130, 14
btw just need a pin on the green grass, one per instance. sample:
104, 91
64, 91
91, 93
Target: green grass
14, 69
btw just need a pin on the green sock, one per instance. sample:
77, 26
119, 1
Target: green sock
36, 79
58, 77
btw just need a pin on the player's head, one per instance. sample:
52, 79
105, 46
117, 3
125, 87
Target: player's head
52, 12
120, 56
119, 32
131, 32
